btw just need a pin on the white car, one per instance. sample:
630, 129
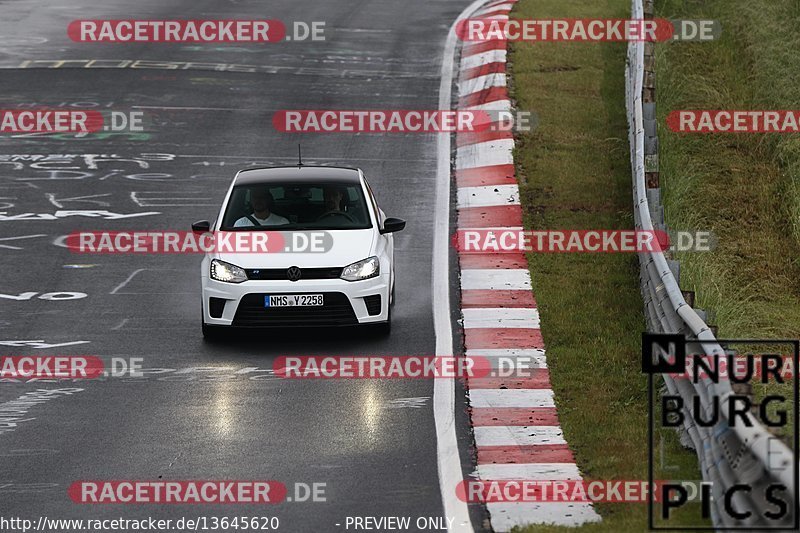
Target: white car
350, 283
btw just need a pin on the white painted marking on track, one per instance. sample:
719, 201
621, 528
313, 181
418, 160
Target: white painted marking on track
485, 154
509, 352
497, 105
488, 195
499, 3
532, 471
501, 317
504, 363
507, 515
40, 344
22, 237
495, 278
478, 60
511, 398
535, 358
59, 202
147, 199
407, 403
499, 16
481, 83
518, 435
492, 11
128, 280
444, 397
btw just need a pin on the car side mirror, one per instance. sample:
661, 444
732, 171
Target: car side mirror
390, 225
203, 226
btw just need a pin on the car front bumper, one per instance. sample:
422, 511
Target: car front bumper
345, 302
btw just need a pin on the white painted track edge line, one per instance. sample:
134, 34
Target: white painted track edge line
448, 458
127, 280
511, 436
529, 471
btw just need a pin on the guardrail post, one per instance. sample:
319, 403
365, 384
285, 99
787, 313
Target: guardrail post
702, 314
675, 267
689, 297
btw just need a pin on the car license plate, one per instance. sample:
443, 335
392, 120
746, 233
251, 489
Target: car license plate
293, 300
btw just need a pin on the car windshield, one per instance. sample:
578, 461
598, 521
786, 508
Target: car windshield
293, 206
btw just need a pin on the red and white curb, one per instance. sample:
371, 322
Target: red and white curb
517, 433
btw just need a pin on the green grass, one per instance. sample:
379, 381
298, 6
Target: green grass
574, 173
745, 187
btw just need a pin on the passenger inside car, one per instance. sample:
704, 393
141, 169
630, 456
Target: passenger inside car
261, 202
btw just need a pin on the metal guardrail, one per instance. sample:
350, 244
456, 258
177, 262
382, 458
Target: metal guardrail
727, 455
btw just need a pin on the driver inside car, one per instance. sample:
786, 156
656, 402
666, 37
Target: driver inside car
332, 198
261, 201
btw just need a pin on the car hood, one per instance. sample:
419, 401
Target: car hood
347, 246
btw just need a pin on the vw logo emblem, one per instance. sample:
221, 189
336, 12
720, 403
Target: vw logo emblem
293, 273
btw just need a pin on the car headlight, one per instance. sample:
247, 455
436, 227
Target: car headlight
368, 268
222, 271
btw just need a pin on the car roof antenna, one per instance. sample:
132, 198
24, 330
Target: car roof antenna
299, 156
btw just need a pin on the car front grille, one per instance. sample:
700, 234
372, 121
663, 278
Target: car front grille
282, 273
335, 311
